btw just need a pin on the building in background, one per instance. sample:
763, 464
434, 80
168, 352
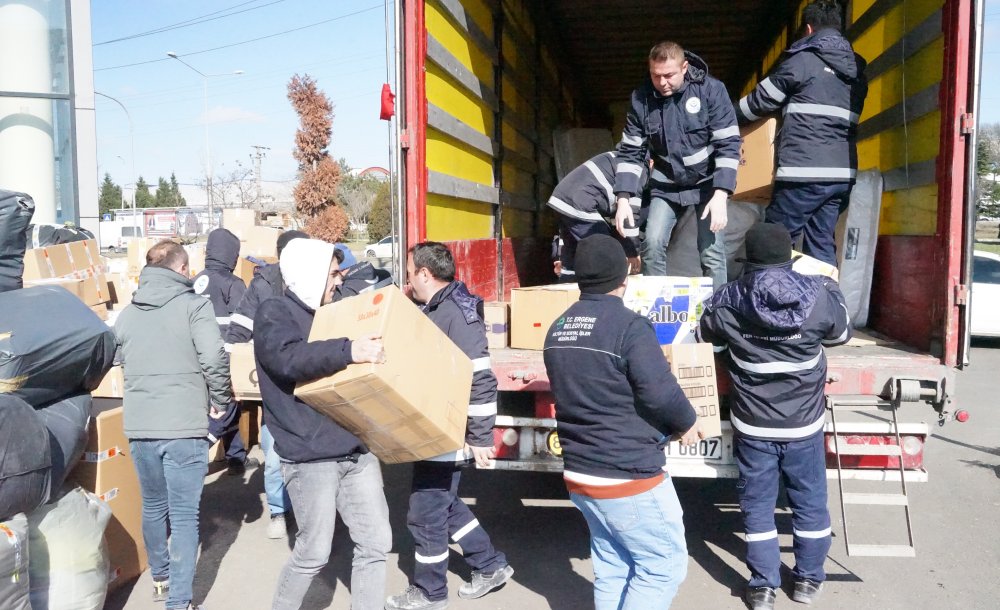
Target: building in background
48, 142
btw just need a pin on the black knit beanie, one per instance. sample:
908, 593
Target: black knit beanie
768, 244
600, 264
288, 236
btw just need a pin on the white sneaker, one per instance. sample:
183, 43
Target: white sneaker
276, 528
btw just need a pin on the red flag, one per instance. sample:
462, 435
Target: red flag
388, 103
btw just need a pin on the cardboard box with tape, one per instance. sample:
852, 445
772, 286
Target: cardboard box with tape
755, 174
496, 315
106, 470
534, 309
693, 364
411, 407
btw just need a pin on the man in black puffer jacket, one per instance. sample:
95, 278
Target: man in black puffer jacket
775, 323
821, 85
225, 290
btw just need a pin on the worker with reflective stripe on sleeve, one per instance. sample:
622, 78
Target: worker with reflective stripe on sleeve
681, 118
436, 512
775, 322
821, 86
585, 201
218, 284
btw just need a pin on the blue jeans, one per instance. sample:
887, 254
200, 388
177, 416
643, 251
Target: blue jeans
663, 217
319, 490
637, 547
171, 475
801, 465
810, 210
274, 483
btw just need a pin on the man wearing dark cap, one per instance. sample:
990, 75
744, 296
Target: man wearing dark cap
617, 406
775, 323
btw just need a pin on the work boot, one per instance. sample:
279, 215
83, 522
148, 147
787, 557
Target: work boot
276, 528
238, 468
161, 590
760, 598
484, 582
414, 598
806, 591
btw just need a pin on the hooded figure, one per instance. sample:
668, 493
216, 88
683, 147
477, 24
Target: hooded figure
217, 282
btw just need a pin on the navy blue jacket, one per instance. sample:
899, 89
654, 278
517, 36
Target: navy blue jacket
617, 403
266, 284
285, 357
217, 281
774, 322
692, 137
821, 85
459, 314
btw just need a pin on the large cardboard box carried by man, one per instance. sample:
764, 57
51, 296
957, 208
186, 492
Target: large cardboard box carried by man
411, 407
755, 174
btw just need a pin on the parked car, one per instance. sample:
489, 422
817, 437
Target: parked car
985, 294
381, 249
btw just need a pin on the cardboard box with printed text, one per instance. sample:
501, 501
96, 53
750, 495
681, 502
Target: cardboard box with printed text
693, 364
411, 407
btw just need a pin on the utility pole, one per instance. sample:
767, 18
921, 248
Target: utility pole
257, 157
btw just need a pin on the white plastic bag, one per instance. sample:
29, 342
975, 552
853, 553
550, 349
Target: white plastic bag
14, 564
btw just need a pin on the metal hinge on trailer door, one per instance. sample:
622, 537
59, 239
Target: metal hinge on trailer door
967, 123
404, 139
961, 294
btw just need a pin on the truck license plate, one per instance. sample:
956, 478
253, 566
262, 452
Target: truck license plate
707, 449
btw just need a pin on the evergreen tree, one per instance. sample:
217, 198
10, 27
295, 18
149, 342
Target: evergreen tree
380, 216
164, 195
175, 192
110, 197
143, 198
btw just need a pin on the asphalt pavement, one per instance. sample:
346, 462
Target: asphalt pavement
955, 520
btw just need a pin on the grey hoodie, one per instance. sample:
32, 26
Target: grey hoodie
172, 352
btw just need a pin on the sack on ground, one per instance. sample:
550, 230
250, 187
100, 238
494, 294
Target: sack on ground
14, 564
68, 567
51, 345
25, 458
16, 210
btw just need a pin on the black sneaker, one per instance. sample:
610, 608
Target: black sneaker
806, 591
238, 468
760, 598
414, 598
484, 582
161, 590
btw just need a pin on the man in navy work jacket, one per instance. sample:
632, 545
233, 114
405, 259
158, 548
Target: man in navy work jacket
683, 119
327, 469
617, 405
775, 323
436, 511
821, 86
225, 290
584, 199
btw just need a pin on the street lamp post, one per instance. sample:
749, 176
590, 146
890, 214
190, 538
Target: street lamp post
208, 152
131, 139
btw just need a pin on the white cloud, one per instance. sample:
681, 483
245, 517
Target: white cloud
231, 114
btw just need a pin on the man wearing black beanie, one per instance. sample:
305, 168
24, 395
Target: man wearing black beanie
617, 406
775, 323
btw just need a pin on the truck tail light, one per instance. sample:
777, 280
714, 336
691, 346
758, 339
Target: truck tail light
505, 441
912, 450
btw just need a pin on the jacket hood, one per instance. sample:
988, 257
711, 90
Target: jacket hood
774, 297
697, 68
159, 286
305, 267
469, 304
222, 251
834, 50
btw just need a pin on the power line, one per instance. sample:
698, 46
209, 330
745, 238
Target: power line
190, 22
236, 44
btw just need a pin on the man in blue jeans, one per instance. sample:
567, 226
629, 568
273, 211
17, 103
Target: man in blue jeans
617, 405
775, 323
176, 370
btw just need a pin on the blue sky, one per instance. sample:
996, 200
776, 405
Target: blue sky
345, 55
989, 109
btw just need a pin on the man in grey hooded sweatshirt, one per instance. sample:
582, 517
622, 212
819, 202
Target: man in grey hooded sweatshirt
176, 371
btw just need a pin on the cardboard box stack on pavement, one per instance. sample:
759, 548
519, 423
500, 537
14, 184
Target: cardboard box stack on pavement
411, 407
755, 174
496, 315
76, 266
693, 364
107, 471
673, 304
534, 309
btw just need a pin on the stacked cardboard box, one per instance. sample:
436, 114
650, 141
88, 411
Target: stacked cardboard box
497, 318
76, 266
755, 174
534, 309
693, 364
237, 220
411, 407
107, 471
259, 242
137, 249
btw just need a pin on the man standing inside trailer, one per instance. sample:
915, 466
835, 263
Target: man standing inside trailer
822, 87
683, 119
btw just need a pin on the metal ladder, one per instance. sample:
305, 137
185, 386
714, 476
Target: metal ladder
871, 403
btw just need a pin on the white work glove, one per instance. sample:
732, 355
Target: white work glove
716, 208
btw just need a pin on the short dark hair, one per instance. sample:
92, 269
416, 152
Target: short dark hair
823, 14
666, 50
166, 255
338, 255
436, 257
